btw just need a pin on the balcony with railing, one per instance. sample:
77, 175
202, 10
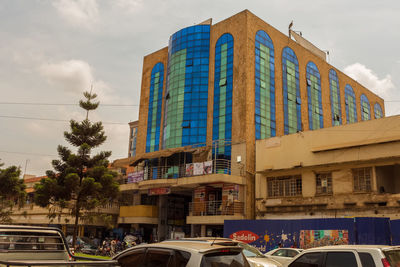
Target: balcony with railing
218, 166
215, 212
213, 171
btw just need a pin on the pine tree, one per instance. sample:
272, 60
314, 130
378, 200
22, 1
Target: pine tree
12, 190
80, 182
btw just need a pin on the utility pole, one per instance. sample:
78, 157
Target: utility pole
26, 164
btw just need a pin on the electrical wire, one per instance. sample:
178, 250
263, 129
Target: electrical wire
65, 104
57, 120
27, 153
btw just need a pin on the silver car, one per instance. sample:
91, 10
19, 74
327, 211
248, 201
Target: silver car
348, 256
182, 254
283, 255
253, 255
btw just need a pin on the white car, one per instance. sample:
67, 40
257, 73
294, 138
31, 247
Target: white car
253, 255
283, 255
182, 254
348, 256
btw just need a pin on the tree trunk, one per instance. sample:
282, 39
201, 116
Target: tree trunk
74, 236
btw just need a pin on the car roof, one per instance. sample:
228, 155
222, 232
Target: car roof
353, 247
210, 240
26, 227
187, 245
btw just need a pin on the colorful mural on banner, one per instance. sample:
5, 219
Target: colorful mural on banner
135, 177
318, 238
268, 234
306, 233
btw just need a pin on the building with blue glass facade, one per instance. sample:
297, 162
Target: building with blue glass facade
205, 100
133, 127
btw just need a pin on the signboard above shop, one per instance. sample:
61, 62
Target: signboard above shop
159, 191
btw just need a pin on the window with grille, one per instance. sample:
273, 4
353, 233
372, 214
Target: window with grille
362, 179
284, 186
324, 183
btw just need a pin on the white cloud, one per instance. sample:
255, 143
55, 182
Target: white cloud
72, 75
83, 13
76, 76
131, 6
117, 140
382, 87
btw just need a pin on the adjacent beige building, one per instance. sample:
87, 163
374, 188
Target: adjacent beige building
344, 171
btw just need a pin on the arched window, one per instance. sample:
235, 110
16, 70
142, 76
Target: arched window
350, 100
264, 86
186, 99
335, 98
378, 111
315, 116
223, 81
155, 104
291, 91
365, 108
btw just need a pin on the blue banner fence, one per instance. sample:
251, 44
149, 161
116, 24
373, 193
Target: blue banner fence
305, 233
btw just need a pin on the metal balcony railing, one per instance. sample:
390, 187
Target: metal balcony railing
216, 208
220, 166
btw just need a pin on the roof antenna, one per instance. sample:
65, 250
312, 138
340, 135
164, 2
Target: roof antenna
290, 28
215, 238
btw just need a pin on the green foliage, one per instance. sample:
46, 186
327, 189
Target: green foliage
80, 181
12, 191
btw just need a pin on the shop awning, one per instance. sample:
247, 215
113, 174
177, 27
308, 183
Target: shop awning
158, 154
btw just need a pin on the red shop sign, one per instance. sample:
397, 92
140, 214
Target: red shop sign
159, 191
244, 236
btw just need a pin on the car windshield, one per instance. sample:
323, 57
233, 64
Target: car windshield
393, 256
251, 252
224, 259
26, 240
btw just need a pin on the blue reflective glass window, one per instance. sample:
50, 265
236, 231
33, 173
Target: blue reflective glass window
223, 80
291, 91
378, 111
336, 109
313, 80
365, 108
154, 110
350, 101
187, 85
264, 86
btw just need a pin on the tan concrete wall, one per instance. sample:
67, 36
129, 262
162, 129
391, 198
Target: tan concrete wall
342, 182
347, 143
308, 183
139, 211
238, 168
261, 186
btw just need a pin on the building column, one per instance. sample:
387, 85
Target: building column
203, 230
162, 218
374, 183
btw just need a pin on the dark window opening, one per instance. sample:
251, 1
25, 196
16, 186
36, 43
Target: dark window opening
388, 179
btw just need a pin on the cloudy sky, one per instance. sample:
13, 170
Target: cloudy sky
53, 50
